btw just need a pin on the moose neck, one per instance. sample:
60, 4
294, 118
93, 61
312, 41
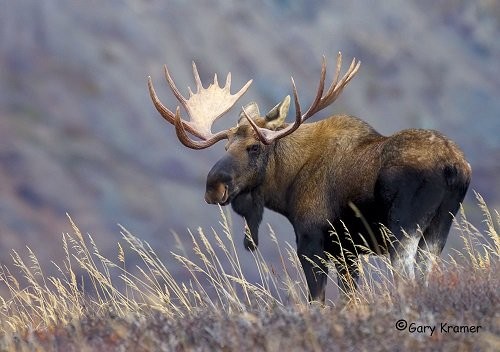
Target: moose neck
287, 158
298, 158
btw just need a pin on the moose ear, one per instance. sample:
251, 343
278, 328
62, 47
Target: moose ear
276, 117
252, 110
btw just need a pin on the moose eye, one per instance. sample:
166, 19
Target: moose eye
253, 148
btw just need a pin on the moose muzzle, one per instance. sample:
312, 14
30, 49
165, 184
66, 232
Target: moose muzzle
219, 182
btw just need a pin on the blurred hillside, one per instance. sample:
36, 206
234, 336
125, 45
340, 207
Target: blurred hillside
78, 132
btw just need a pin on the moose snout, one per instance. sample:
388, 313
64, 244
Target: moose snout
219, 182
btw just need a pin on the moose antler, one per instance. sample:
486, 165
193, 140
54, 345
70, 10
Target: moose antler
203, 107
319, 103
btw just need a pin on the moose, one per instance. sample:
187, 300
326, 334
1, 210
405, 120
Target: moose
341, 184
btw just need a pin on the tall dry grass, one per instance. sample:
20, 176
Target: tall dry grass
92, 289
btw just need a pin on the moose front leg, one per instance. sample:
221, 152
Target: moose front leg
251, 207
312, 258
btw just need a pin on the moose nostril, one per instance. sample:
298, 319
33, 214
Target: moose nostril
217, 193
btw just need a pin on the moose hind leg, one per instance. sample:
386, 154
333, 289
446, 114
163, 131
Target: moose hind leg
427, 253
411, 199
434, 238
402, 254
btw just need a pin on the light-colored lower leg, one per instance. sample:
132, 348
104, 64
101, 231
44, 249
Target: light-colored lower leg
425, 260
403, 258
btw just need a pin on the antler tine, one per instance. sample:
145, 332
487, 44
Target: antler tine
242, 90
319, 94
355, 68
196, 75
162, 109
337, 69
336, 87
172, 85
298, 112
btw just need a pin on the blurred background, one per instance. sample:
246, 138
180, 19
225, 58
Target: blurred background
79, 134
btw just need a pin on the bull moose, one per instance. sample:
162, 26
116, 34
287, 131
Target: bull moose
338, 181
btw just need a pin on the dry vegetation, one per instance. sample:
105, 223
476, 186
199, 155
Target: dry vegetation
98, 304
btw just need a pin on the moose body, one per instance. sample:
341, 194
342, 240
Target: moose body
339, 183
412, 181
